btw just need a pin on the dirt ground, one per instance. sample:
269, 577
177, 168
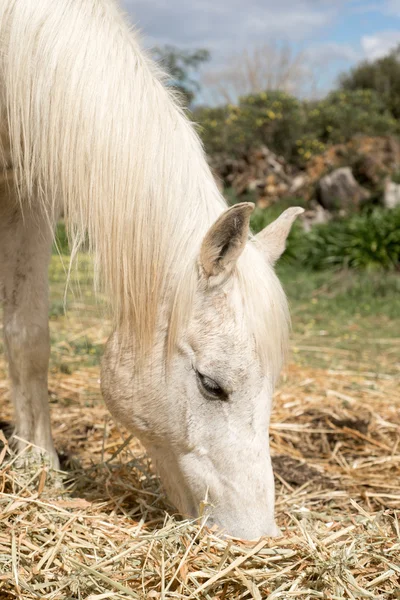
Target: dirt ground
110, 533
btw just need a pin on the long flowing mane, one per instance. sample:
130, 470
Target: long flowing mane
92, 126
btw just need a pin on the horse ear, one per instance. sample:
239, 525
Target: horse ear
272, 239
225, 240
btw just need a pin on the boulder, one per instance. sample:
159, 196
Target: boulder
391, 196
298, 183
260, 171
314, 216
340, 192
342, 170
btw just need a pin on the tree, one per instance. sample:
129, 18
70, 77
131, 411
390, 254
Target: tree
381, 75
181, 67
263, 67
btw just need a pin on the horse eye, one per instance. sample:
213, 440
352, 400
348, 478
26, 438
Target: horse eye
210, 388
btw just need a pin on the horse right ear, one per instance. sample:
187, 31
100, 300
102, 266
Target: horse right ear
224, 242
272, 239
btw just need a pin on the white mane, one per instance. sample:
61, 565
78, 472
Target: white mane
92, 126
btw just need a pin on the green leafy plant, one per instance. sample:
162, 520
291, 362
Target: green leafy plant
297, 130
344, 114
274, 119
381, 75
367, 241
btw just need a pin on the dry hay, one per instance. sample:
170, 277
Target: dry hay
106, 534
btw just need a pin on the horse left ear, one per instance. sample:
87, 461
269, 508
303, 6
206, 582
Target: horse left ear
272, 239
224, 242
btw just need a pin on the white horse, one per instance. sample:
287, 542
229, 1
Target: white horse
201, 321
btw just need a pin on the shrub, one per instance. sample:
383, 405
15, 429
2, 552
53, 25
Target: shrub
344, 114
213, 130
296, 130
381, 75
306, 147
367, 241
275, 119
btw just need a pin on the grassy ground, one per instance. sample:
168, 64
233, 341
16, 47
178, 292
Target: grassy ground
344, 319
335, 439
340, 319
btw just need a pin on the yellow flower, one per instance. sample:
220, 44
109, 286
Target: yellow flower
271, 114
259, 122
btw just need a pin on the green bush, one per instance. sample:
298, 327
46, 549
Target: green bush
367, 241
275, 119
344, 114
296, 130
213, 130
381, 75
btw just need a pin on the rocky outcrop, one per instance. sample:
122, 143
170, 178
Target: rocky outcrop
369, 162
340, 192
372, 159
261, 171
314, 216
391, 196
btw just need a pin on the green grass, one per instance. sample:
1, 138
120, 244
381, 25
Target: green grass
78, 321
349, 318
344, 319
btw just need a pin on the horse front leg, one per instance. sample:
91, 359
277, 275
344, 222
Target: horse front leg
25, 247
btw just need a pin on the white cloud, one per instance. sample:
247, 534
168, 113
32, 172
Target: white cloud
222, 26
226, 28
379, 44
363, 8
328, 52
392, 7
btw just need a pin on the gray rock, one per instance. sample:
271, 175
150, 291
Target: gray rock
391, 196
298, 183
314, 216
339, 191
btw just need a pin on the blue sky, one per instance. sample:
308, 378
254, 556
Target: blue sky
334, 34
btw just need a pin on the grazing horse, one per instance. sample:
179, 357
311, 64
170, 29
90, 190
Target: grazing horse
88, 126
